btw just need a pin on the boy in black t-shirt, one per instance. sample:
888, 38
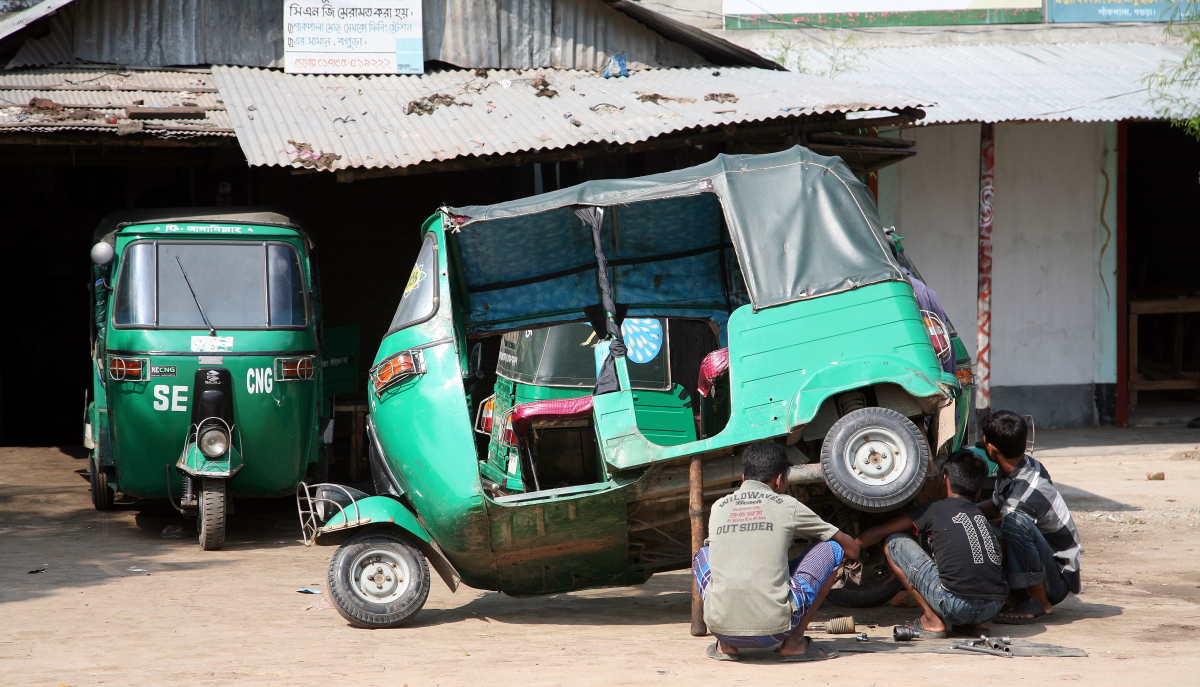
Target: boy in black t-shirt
953, 564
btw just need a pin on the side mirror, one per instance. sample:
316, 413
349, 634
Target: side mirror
476, 361
102, 253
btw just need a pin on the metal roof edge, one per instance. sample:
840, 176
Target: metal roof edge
713, 48
25, 17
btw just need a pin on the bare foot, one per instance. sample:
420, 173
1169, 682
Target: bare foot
933, 623
731, 650
794, 646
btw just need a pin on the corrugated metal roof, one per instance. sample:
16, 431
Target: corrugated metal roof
56, 47
11, 22
110, 92
363, 119
999, 83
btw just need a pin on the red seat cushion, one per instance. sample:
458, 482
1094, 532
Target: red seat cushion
714, 365
526, 414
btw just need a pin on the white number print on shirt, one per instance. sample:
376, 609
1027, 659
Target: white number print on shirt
973, 537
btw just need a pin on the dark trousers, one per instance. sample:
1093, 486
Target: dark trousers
1028, 558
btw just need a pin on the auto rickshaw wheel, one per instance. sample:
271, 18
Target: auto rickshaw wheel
379, 579
211, 519
102, 494
874, 459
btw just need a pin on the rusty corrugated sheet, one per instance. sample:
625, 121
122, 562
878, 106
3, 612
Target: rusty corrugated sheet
363, 119
109, 92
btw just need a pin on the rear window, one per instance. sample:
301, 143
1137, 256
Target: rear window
419, 301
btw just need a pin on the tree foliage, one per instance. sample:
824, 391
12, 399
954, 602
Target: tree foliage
1174, 90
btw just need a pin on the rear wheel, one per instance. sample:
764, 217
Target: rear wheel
211, 519
102, 494
378, 579
875, 459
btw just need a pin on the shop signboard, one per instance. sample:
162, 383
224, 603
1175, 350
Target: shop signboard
1081, 11
353, 37
766, 14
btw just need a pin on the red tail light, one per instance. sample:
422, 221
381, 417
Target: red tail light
938, 335
396, 368
487, 416
128, 369
510, 434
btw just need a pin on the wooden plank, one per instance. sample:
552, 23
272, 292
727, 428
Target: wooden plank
164, 113
1172, 305
1163, 384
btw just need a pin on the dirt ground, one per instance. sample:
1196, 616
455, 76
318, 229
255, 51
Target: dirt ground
121, 604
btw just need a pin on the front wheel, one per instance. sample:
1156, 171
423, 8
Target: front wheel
211, 519
378, 579
875, 459
102, 494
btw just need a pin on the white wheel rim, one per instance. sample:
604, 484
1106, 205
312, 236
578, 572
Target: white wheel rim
379, 576
876, 456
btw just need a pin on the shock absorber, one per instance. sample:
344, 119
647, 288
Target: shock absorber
851, 401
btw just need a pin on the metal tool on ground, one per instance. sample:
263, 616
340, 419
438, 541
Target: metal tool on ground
861, 637
905, 633
841, 625
988, 645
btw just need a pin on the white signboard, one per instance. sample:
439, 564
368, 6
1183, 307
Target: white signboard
353, 37
846, 6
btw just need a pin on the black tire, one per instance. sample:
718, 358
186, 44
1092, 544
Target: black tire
318, 472
393, 556
210, 521
102, 494
868, 595
886, 434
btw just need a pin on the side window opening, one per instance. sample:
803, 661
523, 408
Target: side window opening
420, 299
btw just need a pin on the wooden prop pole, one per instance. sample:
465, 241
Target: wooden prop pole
696, 511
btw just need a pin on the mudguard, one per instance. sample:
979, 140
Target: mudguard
857, 373
387, 512
196, 464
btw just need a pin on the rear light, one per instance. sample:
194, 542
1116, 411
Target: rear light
965, 376
938, 335
128, 369
396, 368
487, 416
294, 369
510, 433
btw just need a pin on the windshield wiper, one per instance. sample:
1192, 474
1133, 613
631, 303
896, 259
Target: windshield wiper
212, 331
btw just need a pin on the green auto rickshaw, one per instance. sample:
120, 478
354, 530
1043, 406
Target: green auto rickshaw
550, 424
206, 380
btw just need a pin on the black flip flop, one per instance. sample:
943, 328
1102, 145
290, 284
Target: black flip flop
1027, 606
714, 652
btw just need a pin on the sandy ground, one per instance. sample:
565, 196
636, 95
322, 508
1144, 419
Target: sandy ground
233, 617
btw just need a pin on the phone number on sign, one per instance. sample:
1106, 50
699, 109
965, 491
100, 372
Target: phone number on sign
345, 62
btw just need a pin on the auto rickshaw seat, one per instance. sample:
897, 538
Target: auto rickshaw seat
714, 365
525, 415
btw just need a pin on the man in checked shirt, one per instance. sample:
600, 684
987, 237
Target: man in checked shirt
1041, 543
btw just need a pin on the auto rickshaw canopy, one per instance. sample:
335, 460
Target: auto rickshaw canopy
698, 242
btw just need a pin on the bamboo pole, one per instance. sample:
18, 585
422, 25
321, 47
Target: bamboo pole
696, 512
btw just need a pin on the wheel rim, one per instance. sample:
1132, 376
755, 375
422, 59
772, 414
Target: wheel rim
876, 456
379, 576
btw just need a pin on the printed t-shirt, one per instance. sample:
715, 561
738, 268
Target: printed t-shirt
964, 547
749, 532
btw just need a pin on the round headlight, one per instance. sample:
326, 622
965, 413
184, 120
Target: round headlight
214, 442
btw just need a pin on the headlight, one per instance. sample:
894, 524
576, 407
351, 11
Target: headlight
214, 442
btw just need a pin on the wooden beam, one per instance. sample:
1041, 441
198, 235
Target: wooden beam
696, 514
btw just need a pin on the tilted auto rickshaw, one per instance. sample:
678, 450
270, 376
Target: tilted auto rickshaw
644, 324
205, 380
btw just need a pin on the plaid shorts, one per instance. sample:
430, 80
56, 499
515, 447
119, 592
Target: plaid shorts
808, 574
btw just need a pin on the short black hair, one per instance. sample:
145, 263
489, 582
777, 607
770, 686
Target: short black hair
763, 461
1006, 430
966, 471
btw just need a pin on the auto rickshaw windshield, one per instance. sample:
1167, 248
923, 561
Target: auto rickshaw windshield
238, 284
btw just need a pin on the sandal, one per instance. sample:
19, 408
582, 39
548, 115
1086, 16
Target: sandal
1029, 606
815, 652
714, 652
